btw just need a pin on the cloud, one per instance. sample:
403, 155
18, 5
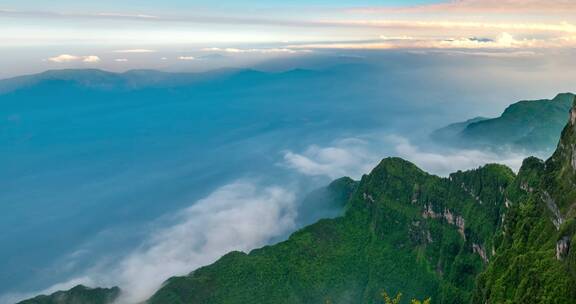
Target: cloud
188, 58
239, 216
65, 58
347, 157
448, 161
354, 157
135, 51
91, 59
481, 6
503, 40
121, 60
253, 50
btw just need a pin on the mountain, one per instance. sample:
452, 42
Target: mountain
78, 295
481, 236
533, 125
404, 230
536, 258
325, 202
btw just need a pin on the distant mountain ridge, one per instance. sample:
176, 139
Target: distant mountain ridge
133, 79
532, 125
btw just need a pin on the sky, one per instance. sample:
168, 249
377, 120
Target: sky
121, 35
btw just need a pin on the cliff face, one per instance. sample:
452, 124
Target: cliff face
535, 261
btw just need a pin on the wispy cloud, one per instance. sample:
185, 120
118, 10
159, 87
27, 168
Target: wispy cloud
481, 6
256, 50
502, 41
347, 157
64, 58
239, 216
135, 51
354, 157
187, 58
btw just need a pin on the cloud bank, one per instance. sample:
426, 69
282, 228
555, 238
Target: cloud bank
240, 216
354, 157
481, 6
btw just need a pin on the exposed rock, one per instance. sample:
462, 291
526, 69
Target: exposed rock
448, 216
557, 219
368, 197
479, 249
461, 224
429, 212
562, 248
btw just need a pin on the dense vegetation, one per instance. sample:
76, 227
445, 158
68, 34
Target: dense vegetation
535, 262
404, 230
78, 295
533, 125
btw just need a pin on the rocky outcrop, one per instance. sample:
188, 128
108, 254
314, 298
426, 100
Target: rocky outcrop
557, 218
562, 248
479, 249
448, 216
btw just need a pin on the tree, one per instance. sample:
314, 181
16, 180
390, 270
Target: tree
398, 297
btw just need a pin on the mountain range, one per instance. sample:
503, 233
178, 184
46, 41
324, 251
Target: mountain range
532, 125
481, 236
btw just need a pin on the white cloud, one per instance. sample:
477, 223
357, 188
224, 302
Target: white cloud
239, 216
448, 161
121, 60
347, 157
501, 41
65, 58
91, 59
354, 157
187, 58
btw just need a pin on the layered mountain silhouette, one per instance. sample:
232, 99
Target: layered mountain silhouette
532, 125
480, 236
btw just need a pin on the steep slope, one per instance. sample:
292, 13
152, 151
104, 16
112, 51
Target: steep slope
404, 230
78, 295
533, 125
325, 202
535, 260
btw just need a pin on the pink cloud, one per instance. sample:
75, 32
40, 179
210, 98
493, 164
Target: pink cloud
483, 6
